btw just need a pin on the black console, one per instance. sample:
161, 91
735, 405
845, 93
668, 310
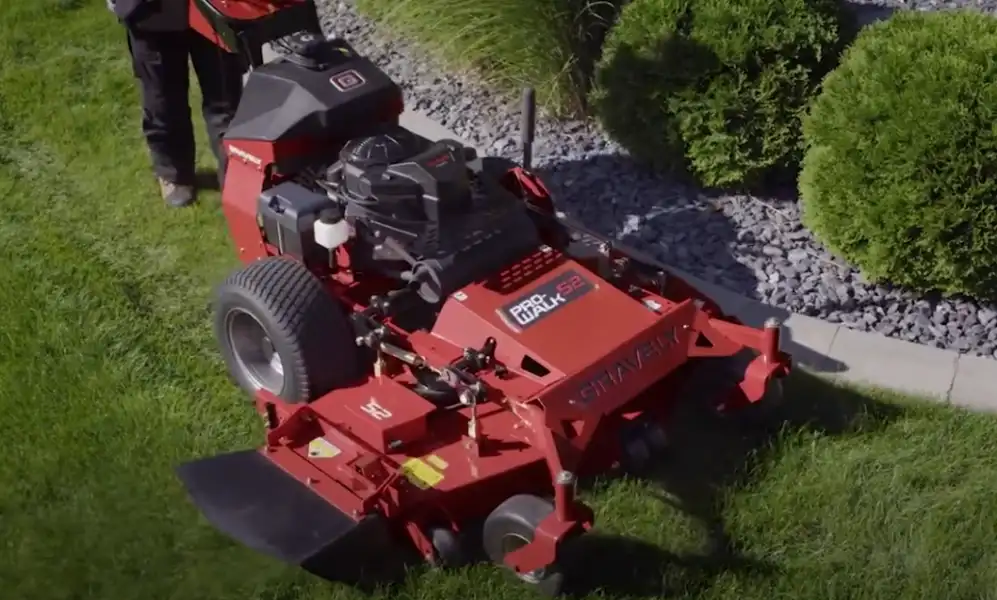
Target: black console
324, 90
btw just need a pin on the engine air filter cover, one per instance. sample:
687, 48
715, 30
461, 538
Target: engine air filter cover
381, 149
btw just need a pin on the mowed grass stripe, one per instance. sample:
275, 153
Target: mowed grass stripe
106, 375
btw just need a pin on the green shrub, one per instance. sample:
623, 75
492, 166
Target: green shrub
900, 174
716, 88
548, 44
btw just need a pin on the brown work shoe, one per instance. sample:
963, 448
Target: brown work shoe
175, 194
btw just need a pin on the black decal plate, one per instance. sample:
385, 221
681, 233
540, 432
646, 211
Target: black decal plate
545, 299
347, 80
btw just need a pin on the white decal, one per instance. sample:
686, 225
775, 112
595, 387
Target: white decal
532, 308
376, 411
246, 156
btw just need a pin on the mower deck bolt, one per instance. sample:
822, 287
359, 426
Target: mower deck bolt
772, 323
565, 478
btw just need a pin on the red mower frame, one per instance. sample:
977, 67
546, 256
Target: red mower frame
535, 409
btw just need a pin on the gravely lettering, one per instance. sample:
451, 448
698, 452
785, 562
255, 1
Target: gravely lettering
637, 359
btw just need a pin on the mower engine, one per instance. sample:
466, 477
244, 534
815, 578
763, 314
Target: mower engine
433, 347
418, 212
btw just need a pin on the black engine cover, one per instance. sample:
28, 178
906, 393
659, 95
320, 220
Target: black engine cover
439, 209
401, 177
343, 98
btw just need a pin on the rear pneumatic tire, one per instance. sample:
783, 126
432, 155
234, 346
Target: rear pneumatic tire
511, 526
279, 329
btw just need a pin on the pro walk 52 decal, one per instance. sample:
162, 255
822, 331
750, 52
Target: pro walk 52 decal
545, 299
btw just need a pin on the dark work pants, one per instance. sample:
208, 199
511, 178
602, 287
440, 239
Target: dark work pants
160, 61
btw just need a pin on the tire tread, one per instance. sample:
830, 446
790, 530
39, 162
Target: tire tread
306, 314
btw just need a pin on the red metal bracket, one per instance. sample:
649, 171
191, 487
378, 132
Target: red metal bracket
289, 428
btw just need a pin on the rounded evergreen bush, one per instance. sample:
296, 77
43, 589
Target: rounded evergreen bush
900, 174
716, 88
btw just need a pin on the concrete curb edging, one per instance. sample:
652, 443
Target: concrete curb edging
828, 348
836, 350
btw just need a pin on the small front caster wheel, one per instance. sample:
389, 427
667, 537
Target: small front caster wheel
768, 412
513, 525
641, 442
448, 550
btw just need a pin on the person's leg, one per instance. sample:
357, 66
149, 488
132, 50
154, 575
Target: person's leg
219, 75
160, 62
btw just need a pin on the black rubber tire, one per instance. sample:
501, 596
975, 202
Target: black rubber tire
655, 437
769, 412
447, 547
518, 518
308, 329
636, 454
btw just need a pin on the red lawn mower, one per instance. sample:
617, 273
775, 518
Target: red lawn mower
436, 351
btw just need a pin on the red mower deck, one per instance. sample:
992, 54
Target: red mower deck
434, 349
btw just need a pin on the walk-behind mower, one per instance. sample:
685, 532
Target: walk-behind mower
437, 352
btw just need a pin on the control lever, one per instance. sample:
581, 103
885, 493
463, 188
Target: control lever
424, 274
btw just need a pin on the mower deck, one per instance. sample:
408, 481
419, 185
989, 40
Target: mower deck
430, 445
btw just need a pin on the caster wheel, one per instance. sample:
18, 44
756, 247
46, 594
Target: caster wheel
655, 437
642, 440
447, 548
767, 412
513, 525
637, 455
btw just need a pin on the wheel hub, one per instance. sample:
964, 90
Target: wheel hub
514, 541
254, 351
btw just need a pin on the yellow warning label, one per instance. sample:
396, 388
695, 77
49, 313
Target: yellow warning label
420, 473
437, 462
322, 448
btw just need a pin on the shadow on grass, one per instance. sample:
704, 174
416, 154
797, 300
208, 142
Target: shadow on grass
632, 568
65, 5
709, 457
207, 179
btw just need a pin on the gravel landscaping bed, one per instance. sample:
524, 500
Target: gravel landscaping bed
753, 246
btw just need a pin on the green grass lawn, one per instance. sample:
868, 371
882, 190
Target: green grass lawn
108, 377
